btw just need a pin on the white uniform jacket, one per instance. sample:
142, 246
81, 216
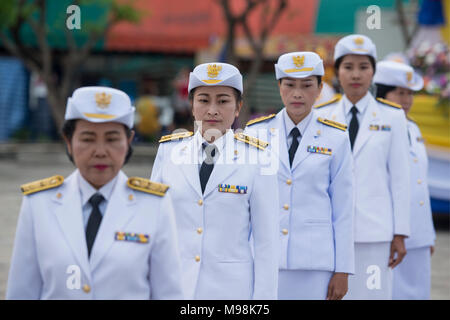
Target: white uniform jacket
214, 228
316, 195
50, 259
381, 170
422, 229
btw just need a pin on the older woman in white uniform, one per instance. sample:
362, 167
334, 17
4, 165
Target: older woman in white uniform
222, 194
96, 234
379, 142
396, 82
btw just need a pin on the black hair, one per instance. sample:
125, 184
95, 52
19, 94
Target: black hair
237, 95
69, 128
319, 80
338, 62
383, 90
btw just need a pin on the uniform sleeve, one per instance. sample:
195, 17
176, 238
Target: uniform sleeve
265, 225
342, 203
165, 265
24, 281
399, 174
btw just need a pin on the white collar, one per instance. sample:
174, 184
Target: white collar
361, 105
87, 190
219, 143
302, 125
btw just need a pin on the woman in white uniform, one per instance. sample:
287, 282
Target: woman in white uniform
396, 82
96, 234
379, 143
221, 195
315, 179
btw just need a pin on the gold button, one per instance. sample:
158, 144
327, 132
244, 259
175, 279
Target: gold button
374, 114
286, 207
59, 195
236, 152
200, 202
86, 288
130, 197
318, 132
416, 160
421, 203
197, 258
199, 230
285, 231
419, 181
289, 181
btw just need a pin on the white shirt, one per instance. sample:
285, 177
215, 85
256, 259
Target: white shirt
219, 143
87, 191
289, 125
361, 105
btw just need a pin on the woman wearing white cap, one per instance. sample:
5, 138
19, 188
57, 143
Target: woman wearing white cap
315, 185
379, 142
96, 234
396, 82
222, 194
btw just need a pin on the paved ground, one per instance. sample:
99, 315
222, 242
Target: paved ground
14, 172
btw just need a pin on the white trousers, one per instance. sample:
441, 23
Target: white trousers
412, 277
303, 284
373, 278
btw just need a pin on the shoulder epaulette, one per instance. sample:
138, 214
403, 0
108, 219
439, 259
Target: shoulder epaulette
333, 124
335, 99
176, 136
260, 119
389, 103
251, 140
145, 185
40, 185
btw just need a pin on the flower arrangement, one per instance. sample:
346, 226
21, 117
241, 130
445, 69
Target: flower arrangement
433, 62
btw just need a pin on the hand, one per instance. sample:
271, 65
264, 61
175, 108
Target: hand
397, 246
431, 250
338, 286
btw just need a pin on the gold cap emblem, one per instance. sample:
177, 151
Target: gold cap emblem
409, 76
103, 100
213, 70
358, 41
299, 61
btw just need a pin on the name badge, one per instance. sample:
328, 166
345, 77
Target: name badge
321, 150
132, 237
232, 189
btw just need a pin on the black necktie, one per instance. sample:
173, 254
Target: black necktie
354, 126
207, 165
295, 134
94, 221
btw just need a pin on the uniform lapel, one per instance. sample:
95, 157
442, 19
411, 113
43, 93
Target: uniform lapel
278, 136
70, 217
118, 212
371, 115
189, 166
412, 139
